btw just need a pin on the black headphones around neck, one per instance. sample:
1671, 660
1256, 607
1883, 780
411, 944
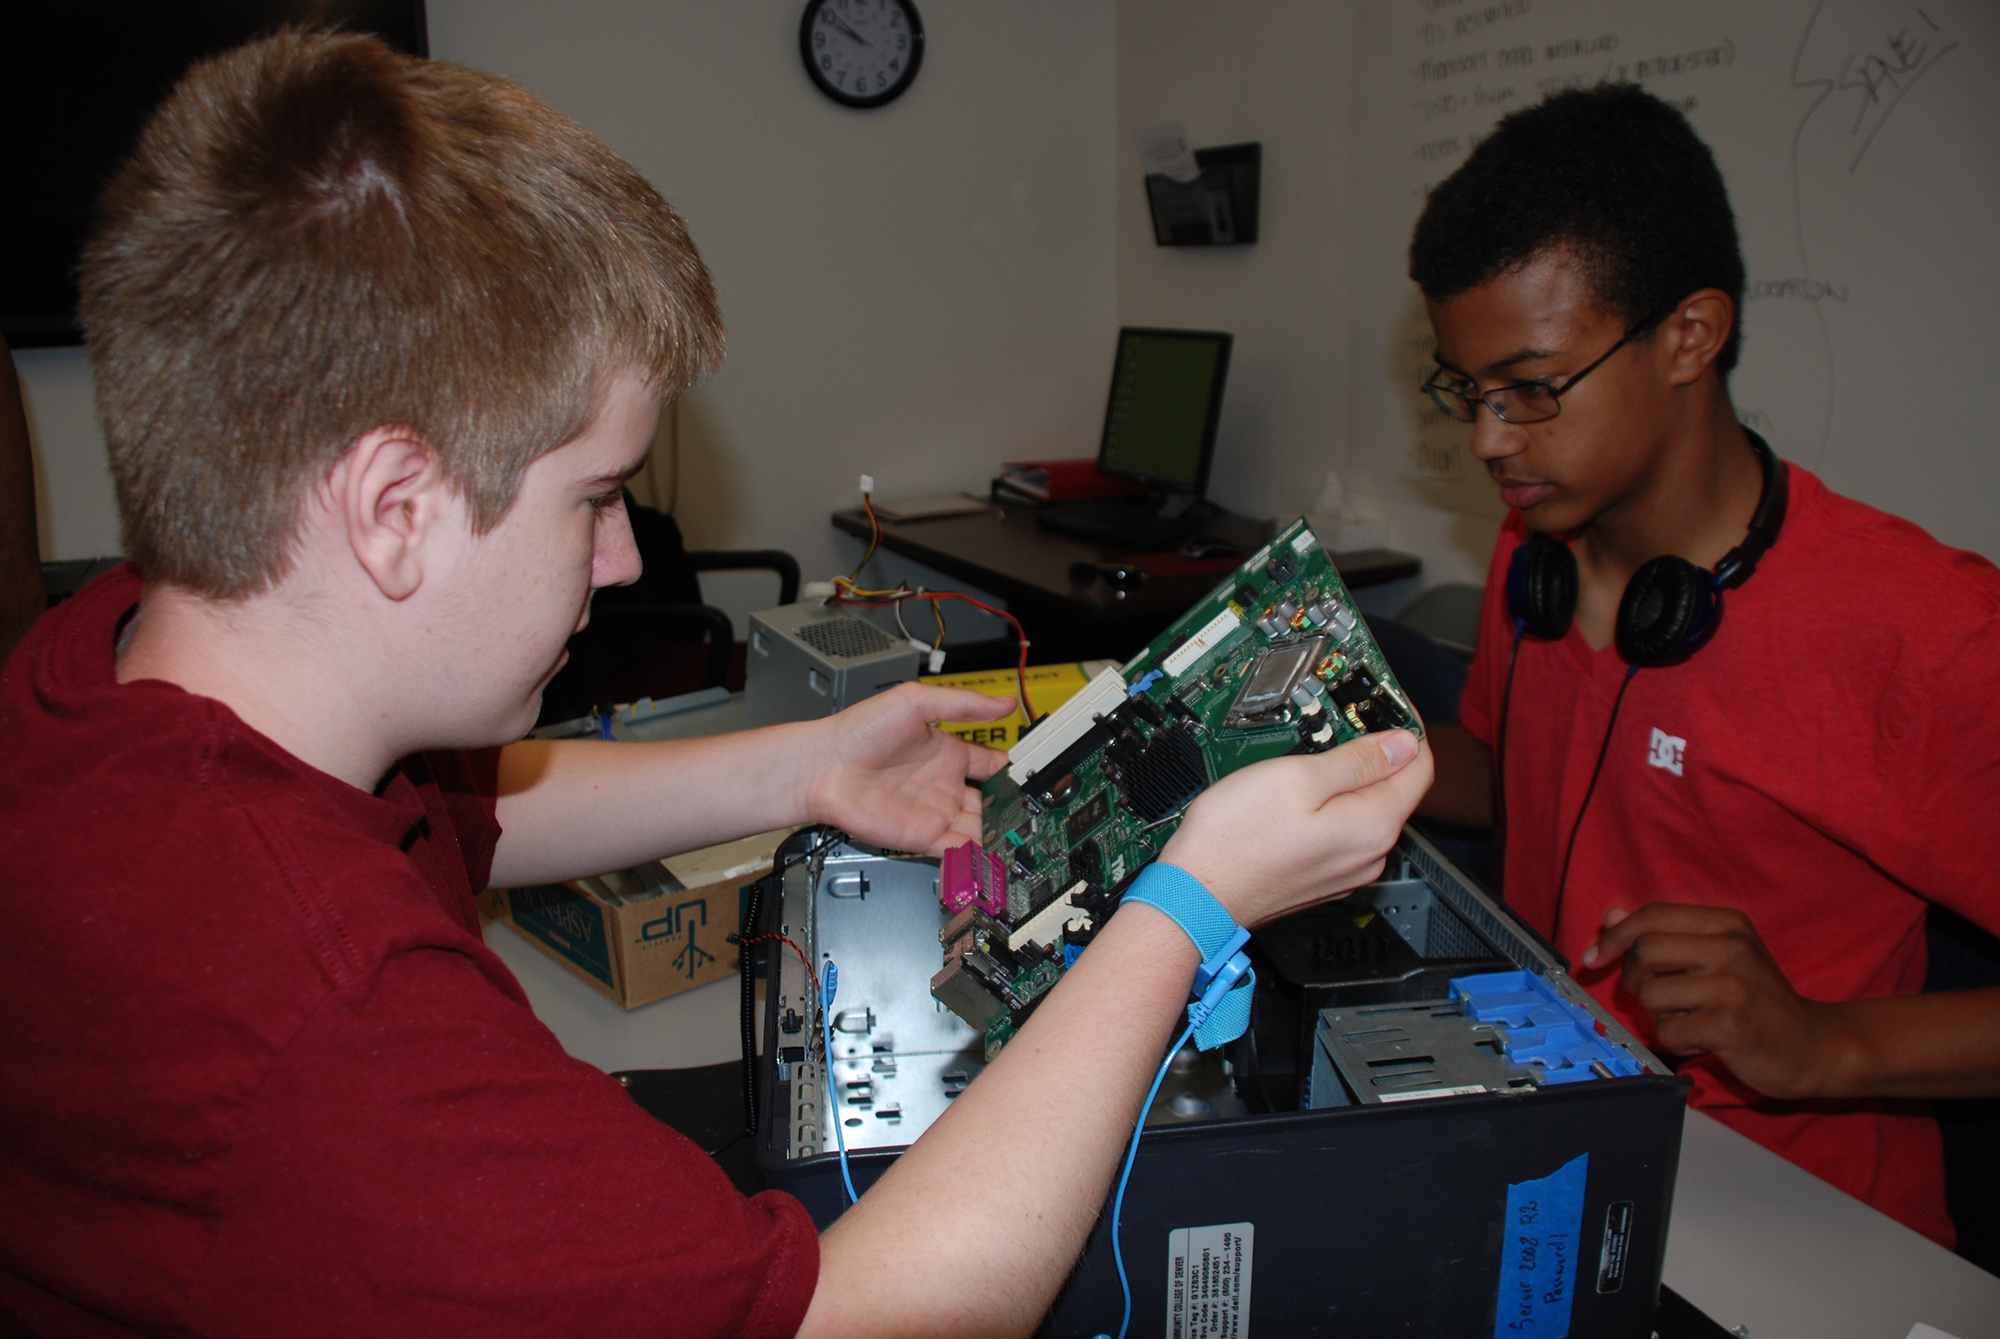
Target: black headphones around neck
1669, 611
1670, 608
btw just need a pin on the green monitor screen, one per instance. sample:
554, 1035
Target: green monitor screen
1166, 397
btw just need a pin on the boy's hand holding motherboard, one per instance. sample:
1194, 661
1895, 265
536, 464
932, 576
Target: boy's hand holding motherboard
1285, 833
884, 772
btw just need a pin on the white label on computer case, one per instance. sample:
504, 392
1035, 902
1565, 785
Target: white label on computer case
1424, 1094
1208, 1281
1199, 645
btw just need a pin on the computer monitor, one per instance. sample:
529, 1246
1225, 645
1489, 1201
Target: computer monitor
1166, 399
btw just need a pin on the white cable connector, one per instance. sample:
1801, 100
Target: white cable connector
867, 483
822, 591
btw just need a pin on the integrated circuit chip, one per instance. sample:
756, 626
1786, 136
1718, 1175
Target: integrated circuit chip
1084, 820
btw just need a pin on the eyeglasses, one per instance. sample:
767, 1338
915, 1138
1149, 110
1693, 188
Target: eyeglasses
1522, 402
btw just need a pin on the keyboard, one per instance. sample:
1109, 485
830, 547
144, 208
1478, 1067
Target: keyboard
1132, 523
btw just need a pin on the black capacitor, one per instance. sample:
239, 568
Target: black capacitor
1317, 725
1062, 792
1354, 689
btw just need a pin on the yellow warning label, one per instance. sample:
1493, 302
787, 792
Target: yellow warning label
1049, 686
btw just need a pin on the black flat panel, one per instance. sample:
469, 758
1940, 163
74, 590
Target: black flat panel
78, 78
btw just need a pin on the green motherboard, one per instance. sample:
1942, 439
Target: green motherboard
1275, 660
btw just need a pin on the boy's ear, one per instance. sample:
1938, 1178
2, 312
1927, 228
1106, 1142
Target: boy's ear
1696, 332
393, 499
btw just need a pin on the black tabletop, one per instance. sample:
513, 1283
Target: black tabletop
1070, 617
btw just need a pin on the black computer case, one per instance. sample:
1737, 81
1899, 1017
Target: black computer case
1538, 1210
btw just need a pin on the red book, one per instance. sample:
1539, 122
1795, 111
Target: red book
1061, 480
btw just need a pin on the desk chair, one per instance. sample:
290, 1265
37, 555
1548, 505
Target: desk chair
656, 638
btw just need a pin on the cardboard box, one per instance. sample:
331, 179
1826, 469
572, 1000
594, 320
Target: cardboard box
642, 934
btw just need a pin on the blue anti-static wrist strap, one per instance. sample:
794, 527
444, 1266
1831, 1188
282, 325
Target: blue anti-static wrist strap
1222, 985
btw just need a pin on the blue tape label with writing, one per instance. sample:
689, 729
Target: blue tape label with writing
1539, 1243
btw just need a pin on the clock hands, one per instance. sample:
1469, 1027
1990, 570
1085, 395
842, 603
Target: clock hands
841, 24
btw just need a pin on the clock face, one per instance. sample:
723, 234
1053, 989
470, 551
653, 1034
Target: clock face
862, 52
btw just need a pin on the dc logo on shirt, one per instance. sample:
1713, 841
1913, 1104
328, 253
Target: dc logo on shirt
1667, 751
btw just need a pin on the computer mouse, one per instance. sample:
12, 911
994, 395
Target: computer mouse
1118, 576
1209, 546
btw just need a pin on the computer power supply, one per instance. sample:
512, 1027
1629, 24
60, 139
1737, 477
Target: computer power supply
810, 660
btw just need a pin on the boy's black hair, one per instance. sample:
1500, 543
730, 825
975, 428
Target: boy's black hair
1611, 173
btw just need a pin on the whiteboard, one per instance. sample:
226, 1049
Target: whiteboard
1860, 140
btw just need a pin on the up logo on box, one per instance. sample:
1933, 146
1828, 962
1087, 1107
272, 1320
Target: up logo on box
674, 925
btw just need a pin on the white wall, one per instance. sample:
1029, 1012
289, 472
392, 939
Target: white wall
1880, 188
916, 291
910, 291
1880, 191
1278, 73
923, 290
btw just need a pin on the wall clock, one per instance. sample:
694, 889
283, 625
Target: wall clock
862, 53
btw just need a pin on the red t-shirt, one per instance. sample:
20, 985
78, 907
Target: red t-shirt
1829, 762
259, 1076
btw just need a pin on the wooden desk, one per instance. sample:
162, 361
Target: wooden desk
1005, 552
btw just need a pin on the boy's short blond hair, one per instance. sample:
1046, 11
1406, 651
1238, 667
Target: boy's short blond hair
318, 236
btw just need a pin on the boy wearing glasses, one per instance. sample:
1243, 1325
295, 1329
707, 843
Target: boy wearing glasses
1732, 826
